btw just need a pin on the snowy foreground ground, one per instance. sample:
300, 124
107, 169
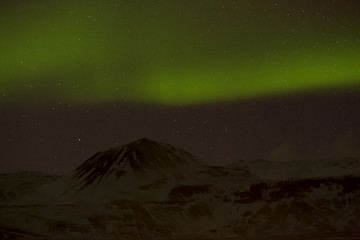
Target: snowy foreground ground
150, 190
332, 236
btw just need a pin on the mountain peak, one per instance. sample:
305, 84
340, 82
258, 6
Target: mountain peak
144, 140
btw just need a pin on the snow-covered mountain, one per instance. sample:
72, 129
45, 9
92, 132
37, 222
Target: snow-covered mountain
141, 170
151, 190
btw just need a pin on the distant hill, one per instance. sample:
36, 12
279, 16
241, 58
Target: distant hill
15, 185
300, 169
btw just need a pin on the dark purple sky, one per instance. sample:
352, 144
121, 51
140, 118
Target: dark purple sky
304, 126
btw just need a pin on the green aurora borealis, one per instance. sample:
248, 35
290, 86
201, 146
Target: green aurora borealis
175, 52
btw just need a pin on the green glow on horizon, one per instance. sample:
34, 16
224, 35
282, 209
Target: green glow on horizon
236, 82
93, 52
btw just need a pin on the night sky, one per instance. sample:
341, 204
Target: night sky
225, 80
